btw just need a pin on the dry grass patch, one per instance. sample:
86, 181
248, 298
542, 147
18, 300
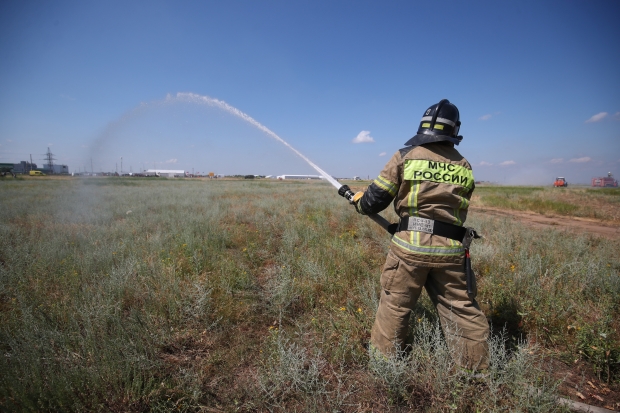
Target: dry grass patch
228, 296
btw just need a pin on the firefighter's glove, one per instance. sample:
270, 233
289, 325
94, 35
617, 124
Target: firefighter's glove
356, 198
356, 202
353, 199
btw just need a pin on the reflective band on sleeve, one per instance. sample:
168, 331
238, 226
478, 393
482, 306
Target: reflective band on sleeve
386, 185
463, 205
444, 173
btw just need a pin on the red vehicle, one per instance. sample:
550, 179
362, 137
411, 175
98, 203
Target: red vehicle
560, 181
606, 181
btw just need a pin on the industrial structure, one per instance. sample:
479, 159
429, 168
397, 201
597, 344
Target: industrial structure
55, 169
282, 177
6, 168
166, 173
25, 167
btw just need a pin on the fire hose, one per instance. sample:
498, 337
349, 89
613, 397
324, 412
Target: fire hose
349, 195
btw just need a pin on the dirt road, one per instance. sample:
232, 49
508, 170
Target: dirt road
581, 225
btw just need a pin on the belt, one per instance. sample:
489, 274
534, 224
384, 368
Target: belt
455, 232
431, 226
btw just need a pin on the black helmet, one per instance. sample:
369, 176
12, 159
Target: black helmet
440, 122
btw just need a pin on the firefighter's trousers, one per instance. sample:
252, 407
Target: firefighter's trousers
464, 325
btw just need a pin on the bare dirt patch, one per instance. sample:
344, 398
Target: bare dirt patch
580, 384
580, 225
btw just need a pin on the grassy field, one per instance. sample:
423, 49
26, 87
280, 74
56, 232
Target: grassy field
120, 294
597, 203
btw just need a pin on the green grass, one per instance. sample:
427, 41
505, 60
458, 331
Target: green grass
599, 203
561, 289
154, 295
613, 192
509, 190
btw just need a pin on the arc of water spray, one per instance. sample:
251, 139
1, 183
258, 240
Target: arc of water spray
192, 97
195, 98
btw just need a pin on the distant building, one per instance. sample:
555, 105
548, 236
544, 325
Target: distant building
24, 167
166, 173
55, 169
299, 177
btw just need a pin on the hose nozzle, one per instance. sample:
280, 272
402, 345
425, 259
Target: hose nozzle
346, 192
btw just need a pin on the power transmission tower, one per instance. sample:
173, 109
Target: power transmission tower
49, 157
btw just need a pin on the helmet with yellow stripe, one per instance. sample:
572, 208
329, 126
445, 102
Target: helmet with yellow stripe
440, 122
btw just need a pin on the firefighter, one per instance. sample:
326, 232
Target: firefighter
431, 184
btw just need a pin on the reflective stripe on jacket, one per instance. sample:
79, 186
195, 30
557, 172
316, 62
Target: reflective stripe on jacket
431, 181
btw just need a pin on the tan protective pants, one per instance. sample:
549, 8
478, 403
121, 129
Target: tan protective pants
464, 325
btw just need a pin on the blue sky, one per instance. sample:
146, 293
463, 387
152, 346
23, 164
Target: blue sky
537, 83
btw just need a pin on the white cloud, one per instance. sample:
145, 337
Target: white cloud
617, 115
173, 160
363, 137
484, 163
382, 154
557, 160
507, 163
581, 160
596, 118
486, 117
